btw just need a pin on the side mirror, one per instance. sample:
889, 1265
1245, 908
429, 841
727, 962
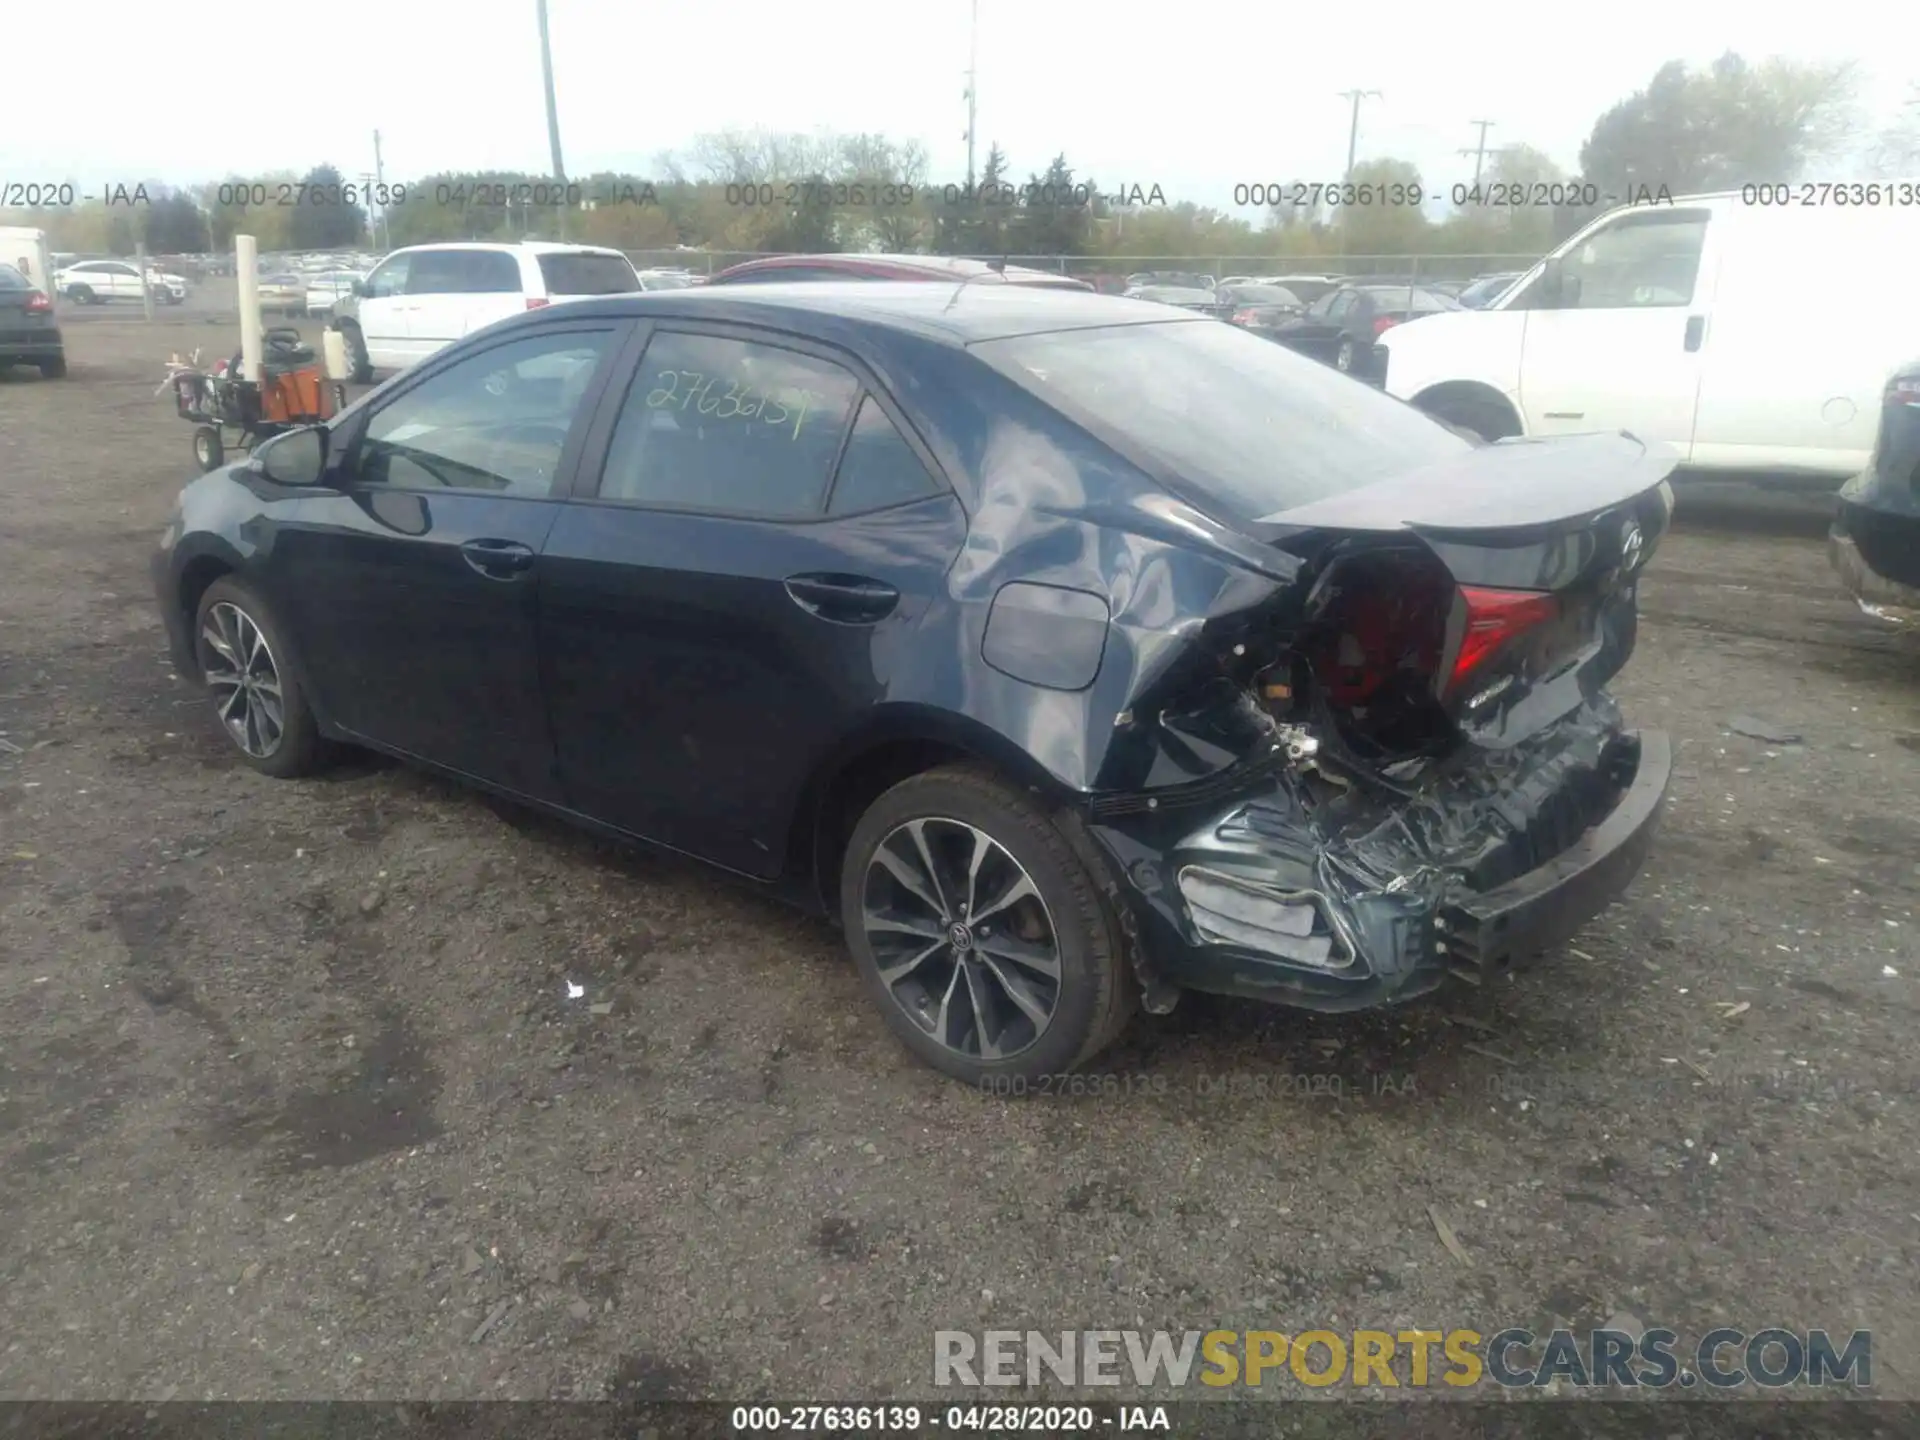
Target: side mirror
298, 457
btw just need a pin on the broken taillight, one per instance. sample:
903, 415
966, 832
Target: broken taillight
1494, 619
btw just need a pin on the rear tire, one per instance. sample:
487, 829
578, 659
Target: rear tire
1343, 358
357, 361
265, 713
1488, 418
1005, 990
54, 368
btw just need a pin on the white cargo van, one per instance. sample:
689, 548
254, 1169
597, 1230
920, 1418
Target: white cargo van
1691, 323
26, 250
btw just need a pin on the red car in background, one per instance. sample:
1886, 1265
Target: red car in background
781, 269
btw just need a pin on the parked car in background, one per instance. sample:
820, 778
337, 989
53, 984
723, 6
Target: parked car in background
95, 282
1667, 321
1486, 289
1876, 533
1205, 302
781, 269
29, 330
1173, 279
1070, 652
1342, 327
1263, 309
328, 288
423, 298
283, 294
665, 279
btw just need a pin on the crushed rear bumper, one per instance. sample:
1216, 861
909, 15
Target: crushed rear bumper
1280, 896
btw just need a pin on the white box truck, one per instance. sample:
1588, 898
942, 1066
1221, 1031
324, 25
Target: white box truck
1695, 322
27, 251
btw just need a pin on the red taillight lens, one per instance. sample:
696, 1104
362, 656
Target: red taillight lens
1243, 317
1494, 618
38, 303
1385, 323
533, 304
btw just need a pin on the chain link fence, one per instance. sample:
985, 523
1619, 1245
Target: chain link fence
1112, 271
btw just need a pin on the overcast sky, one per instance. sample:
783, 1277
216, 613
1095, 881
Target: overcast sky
1233, 93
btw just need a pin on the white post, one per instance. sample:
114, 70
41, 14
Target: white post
246, 270
146, 288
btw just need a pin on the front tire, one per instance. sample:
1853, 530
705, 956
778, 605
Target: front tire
980, 932
357, 360
81, 295
244, 661
208, 451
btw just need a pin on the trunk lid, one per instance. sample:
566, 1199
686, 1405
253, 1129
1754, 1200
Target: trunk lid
1543, 542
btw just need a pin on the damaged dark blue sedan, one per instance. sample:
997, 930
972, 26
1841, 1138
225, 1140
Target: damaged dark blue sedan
1070, 651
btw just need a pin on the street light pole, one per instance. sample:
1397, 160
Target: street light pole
553, 111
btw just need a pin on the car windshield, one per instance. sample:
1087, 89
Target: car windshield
1309, 291
12, 279
1248, 422
588, 274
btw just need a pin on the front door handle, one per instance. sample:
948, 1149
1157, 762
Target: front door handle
845, 599
1696, 331
497, 559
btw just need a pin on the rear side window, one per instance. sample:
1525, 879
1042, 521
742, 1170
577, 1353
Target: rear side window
879, 467
588, 275
730, 427
1232, 416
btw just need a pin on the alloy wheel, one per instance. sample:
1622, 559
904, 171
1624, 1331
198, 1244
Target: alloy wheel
961, 938
240, 670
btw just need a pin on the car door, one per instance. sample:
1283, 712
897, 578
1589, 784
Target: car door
412, 578
1318, 333
756, 534
382, 313
1619, 349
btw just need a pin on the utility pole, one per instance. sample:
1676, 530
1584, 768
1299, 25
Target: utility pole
1479, 151
553, 111
380, 182
973, 61
1353, 130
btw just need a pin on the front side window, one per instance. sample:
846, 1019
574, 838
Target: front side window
729, 426
496, 421
463, 272
390, 278
1648, 259
1251, 424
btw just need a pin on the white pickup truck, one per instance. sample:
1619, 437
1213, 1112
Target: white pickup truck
1690, 323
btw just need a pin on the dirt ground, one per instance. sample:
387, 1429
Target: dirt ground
293, 1102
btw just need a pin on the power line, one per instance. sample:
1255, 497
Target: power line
1353, 129
1479, 151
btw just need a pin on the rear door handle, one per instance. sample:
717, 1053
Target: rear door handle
497, 559
845, 599
1696, 331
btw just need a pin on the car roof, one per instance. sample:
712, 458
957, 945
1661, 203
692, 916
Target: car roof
957, 314
511, 247
958, 267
